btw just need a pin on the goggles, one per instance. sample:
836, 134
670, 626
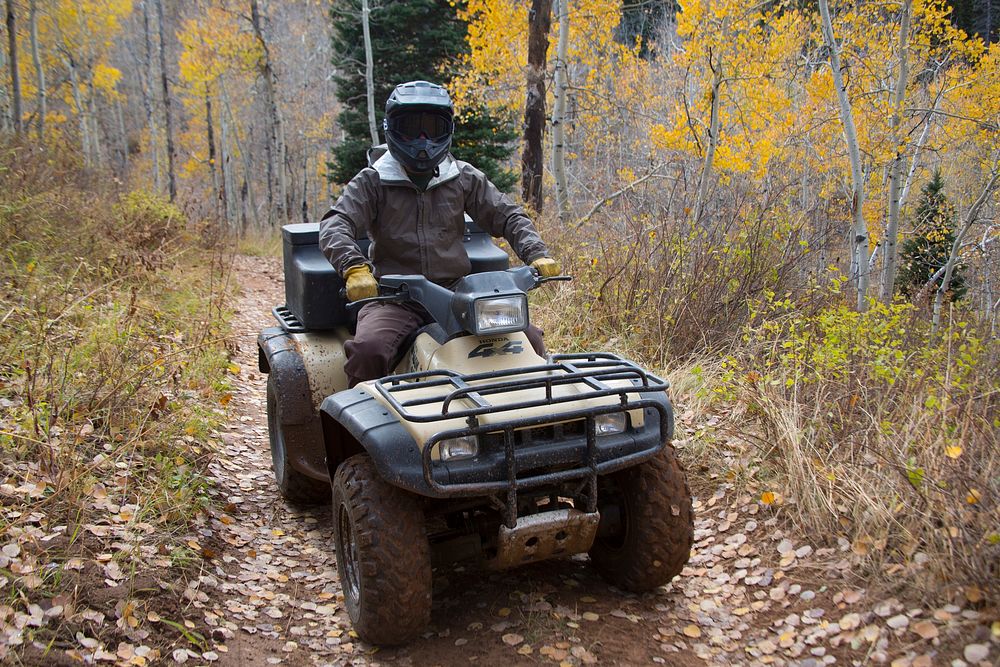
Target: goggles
411, 125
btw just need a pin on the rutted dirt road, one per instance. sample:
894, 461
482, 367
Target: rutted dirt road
751, 594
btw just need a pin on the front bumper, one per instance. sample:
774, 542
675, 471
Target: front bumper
514, 462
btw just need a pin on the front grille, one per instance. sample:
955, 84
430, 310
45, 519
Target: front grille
525, 437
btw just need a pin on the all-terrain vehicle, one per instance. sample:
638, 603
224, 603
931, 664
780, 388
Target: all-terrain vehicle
476, 448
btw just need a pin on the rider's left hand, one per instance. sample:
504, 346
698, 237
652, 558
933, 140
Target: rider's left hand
546, 267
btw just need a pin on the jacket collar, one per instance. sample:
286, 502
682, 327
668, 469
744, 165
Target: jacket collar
390, 172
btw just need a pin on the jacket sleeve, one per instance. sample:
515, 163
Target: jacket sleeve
497, 215
351, 215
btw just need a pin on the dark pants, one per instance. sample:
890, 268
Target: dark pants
383, 328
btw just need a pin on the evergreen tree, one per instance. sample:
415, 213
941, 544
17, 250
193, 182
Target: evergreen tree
928, 249
411, 40
643, 19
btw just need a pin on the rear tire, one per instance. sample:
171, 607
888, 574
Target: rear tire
294, 486
383, 556
651, 543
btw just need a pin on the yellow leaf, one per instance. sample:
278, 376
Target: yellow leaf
953, 451
973, 497
234, 369
767, 497
224, 401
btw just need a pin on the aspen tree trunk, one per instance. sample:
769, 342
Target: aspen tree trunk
276, 148
39, 70
896, 169
81, 114
533, 158
15, 75
369, 72
305, 186
956, 247
859, 253
6, 122
246, 192
228, 180
559, 114
148, 97
210, 139
167, 114
123, 137
95, 128
713, 142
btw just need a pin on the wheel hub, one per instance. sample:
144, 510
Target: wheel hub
347, 551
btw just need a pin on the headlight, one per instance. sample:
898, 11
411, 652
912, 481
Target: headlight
610, 423
501, 314
456, 449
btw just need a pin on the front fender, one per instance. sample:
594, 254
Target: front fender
354, 422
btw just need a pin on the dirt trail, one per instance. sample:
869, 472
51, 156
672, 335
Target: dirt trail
750, 595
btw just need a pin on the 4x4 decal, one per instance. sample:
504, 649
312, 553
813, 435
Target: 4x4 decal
493, 348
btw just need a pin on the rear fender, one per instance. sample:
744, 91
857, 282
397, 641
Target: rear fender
278, 356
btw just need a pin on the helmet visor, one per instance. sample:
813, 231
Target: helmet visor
414, 124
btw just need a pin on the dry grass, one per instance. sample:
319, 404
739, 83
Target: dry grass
872, 431
113, 361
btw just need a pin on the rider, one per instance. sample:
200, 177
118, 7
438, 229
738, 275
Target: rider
411, 204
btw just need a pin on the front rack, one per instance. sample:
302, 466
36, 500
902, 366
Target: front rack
591, 370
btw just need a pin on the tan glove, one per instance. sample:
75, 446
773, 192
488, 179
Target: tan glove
360, 282
546, 267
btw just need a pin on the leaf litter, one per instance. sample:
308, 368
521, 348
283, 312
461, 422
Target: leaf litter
752, 593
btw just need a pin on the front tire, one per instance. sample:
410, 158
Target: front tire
651, 541
293, 485
383, 556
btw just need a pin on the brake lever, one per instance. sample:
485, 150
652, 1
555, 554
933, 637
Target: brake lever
552, 278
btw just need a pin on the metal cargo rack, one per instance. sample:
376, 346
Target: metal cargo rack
592, 371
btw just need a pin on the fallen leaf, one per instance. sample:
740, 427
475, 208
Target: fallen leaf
976, 653
692, 631
512, 639
953, 451
767, 497
925, 629
590, 616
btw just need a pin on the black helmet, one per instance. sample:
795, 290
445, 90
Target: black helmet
418, 124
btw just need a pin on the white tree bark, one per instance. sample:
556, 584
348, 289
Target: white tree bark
15, 76
560, 92
39, 70
970, 219
147, 76
713, 141
247, 171
859, 254
167, 113
81, 113
6, 122
369, 72
276, 163
896, 169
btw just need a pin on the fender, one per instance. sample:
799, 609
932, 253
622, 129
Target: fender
354, 422
279, 357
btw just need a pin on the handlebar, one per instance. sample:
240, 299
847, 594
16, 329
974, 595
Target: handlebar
397, 287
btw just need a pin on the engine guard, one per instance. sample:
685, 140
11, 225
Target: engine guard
545, 535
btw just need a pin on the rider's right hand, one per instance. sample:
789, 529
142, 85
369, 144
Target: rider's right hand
360, 282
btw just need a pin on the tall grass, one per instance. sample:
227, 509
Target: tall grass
869, 428
112, 358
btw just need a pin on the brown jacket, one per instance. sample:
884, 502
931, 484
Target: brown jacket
416, 232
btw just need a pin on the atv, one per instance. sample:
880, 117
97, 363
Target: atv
476, 448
